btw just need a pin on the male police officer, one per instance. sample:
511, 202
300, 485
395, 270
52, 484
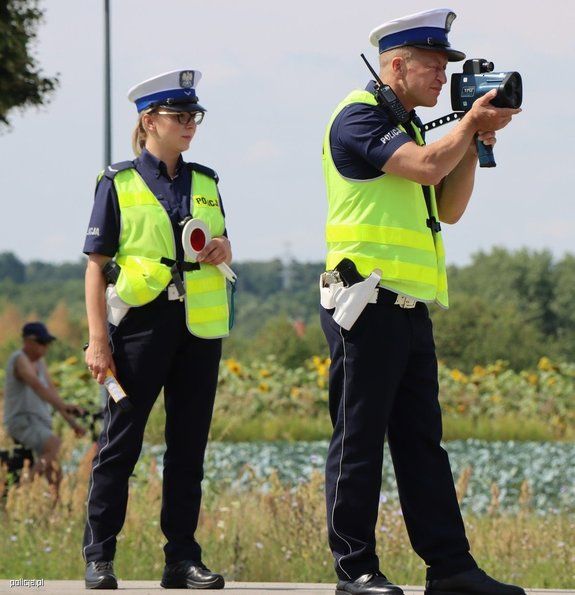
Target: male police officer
387, 193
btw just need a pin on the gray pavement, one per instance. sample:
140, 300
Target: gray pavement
143, 587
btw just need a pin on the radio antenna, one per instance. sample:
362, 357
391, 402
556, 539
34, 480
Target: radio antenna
375, 75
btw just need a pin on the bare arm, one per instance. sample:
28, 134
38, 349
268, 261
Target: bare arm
454, 191
429, 164
98, 355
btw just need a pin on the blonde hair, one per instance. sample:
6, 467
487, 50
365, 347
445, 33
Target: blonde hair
140, 134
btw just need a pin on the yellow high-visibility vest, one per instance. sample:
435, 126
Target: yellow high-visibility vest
381, 223
147, 237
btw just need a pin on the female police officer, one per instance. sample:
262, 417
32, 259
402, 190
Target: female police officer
170, 337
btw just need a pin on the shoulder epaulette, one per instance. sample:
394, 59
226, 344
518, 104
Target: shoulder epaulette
208, 171
115, 168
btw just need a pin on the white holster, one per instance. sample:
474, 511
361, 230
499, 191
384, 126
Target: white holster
349, 302
116, 307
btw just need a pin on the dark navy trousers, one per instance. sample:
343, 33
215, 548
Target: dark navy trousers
153, 350
383, 380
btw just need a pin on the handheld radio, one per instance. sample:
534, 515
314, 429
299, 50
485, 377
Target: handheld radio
387, 98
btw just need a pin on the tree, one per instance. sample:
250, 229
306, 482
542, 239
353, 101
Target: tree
11, 268
562, 306
477, 331
44, 271
21, 81
525, 278
278, 336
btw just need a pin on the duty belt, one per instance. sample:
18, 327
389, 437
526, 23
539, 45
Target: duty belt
176, 270
382, 295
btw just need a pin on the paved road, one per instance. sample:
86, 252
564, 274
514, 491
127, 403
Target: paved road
144, 587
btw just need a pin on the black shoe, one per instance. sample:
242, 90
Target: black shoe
370, 584
471, 582
100, 575
190, 575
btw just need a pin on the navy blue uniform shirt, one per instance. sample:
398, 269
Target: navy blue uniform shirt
103, 233
362, 139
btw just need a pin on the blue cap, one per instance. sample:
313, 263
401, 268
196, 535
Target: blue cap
38, 332
175, 90
426, 30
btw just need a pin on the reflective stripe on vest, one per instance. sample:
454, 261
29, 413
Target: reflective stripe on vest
206, 296
147, 235
381, 223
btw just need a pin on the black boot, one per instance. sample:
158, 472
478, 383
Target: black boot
100, 575
471, 582
368, 584
188, 574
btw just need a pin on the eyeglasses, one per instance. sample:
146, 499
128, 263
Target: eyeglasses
185, 118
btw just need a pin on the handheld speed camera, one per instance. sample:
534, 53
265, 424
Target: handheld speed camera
476, 80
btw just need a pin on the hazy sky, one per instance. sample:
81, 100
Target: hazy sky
272, 74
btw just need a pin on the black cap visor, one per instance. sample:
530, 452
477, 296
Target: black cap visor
43, 340
452, 55
188, 106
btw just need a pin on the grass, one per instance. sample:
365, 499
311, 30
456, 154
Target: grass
278, 535
503, 427
268, 428
264, 427
293, 427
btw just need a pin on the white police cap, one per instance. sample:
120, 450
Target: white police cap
175, 90
427, 30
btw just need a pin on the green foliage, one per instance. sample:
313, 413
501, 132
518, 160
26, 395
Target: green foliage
38, 286
21, 81
278, 336
515, 306
263, 279
497, 429
520, 299
40, 272
11, 268
42, 297
269, 290
526, 278
496, 391
266, 399
562, 305
474, 331
75, 383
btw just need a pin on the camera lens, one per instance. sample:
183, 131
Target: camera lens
510, 92
514, 90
